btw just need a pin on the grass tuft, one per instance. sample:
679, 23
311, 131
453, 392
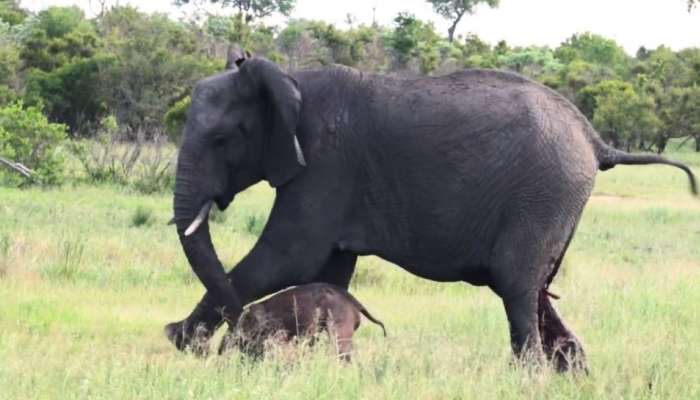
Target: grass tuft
67, 267
5, 245
217, 216
142, 216
254, 224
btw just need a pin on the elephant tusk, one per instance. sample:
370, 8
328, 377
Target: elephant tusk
300, 156
203, 214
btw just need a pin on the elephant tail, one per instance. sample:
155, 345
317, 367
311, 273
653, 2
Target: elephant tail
361, 308
369, 316
609, 157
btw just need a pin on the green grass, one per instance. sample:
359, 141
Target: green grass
85, 292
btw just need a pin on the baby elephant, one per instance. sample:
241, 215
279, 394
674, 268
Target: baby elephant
301, 311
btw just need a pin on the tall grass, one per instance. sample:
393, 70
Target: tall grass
84, 296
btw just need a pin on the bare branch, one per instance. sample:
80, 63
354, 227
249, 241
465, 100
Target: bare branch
18, 167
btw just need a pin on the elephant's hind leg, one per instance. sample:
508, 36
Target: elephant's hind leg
524, 330
525, 258
562, 347
515, 276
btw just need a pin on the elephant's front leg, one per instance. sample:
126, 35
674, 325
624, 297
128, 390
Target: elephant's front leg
269, 267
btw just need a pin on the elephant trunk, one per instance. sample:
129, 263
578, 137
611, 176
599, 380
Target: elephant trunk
190, 206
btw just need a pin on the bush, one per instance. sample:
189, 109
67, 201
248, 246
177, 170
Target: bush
145, 166
142, 216
27, 137
154, 167
175, 119
105, 159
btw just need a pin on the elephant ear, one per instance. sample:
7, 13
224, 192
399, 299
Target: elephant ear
236, 57
282, 155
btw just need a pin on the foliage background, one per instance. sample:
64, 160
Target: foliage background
139, 68
90, 272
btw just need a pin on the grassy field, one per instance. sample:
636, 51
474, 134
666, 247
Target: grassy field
88, 277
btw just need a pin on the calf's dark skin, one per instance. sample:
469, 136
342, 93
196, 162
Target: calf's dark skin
299, 312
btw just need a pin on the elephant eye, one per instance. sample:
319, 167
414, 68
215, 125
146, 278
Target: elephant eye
219, 140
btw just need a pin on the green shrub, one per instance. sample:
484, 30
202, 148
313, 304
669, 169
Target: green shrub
27, 137
153, 172
175, 119
142, 216
105, 159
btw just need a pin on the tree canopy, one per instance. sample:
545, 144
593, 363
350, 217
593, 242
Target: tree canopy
250, 9
137, 69
455, 10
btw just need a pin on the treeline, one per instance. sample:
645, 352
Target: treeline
129, 73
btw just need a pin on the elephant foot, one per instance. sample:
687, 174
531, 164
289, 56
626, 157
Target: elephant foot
562, 348
188, 337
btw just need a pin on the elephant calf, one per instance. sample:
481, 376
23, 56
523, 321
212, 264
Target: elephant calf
301, 311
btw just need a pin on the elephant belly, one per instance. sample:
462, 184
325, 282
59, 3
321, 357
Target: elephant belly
436, 256
444, 271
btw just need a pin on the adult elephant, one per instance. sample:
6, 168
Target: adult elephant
479, 176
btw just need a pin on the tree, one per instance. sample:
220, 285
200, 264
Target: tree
588, 59
692, 4
477, 53
454, 10
596, 50
57, 36
368, 50
621, 115
11, 12
296, 41
680, 115
247, 11
59, 55
28, 138
663, 66
536, 62
413, 38
10, 64
153, 63
239, 27
70, 94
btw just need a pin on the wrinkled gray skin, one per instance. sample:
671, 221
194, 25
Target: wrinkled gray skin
479, 176
299, 312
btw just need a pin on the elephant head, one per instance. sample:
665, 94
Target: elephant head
236, 57
240, 129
